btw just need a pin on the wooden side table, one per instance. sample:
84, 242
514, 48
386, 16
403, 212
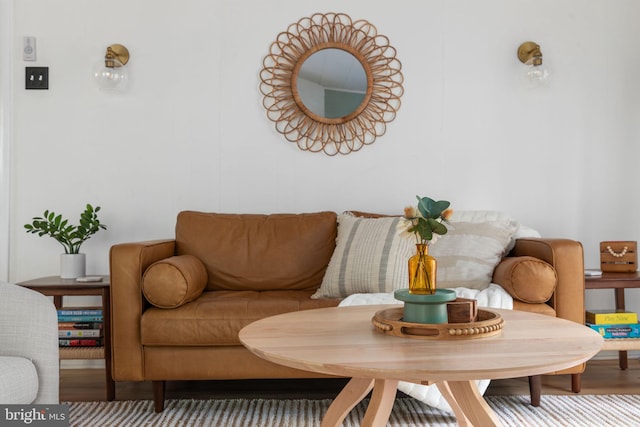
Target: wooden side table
618, 282
58, 288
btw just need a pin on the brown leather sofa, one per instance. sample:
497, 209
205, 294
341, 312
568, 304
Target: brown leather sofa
177, 305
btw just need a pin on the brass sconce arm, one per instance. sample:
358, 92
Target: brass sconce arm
117, 55
530, 53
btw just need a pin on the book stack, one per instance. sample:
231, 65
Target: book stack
80, 327
613, 324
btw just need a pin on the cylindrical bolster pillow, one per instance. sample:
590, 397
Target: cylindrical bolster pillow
526, 278
172, 282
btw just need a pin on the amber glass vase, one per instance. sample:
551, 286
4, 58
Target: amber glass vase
422, 271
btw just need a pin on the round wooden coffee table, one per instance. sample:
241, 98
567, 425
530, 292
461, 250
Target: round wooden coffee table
342, 341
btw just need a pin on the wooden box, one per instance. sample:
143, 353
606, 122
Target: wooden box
618, 256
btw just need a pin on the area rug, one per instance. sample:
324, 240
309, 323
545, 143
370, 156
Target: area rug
554, 411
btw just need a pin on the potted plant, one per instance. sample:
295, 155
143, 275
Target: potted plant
71, 237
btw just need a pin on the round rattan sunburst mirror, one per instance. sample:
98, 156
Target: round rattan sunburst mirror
329, 57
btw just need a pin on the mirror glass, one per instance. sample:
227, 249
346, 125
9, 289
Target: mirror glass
332, 83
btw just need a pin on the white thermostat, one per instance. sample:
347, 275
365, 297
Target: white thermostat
29, 48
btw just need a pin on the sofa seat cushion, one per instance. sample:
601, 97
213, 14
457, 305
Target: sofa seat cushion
259, 252
540, 308
216, 317
18, 380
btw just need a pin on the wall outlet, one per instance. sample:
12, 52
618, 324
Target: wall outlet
36, 78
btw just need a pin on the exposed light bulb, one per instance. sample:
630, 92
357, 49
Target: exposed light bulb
536, 75
111, 77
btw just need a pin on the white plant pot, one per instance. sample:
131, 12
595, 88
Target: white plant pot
72, 266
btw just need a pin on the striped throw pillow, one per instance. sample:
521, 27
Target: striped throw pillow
370, 257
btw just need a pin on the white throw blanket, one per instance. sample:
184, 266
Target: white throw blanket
492, 297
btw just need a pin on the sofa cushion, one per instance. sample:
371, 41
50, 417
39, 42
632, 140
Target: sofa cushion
370, 256
259, 252
174, 281
18, 380
473, 246
217, 317
540, 308
526, 278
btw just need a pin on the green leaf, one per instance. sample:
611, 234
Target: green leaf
429, 208
69, 236
423, 229
437, 227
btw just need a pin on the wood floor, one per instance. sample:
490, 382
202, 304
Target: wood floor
600, 377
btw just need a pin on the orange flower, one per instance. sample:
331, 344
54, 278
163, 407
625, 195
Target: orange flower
447, 214
410, 212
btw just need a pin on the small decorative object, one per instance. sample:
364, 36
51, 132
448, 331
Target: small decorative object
422, 271
71, 237
425, 222
425, 308
618, 256
486, 323
423, 303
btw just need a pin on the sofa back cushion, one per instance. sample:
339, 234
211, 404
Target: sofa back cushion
259, 252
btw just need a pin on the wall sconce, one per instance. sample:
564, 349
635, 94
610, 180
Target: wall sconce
534, 72
111, 74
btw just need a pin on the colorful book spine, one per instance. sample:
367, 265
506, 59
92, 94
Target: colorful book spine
79, 312
609, 317
80, 342
70, 326
80, 318
80, 333
617, 330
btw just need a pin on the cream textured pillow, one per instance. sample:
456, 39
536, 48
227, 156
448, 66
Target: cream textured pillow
175, 281
472, 248
369, 257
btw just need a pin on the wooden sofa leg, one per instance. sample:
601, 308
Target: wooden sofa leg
535, 389
576, 383
158, 395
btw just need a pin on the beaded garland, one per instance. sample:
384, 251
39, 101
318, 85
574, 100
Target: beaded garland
617, 254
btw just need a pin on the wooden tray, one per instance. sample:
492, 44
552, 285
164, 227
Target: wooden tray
487, 324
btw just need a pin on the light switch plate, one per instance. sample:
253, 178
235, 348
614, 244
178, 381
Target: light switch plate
36, 78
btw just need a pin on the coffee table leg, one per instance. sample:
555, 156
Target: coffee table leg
355, 390
381, 403
465, 399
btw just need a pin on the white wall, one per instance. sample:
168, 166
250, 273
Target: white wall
191, 132
5, 134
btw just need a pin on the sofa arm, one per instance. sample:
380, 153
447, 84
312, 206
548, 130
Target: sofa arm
29, 329
127, 263
567, 257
